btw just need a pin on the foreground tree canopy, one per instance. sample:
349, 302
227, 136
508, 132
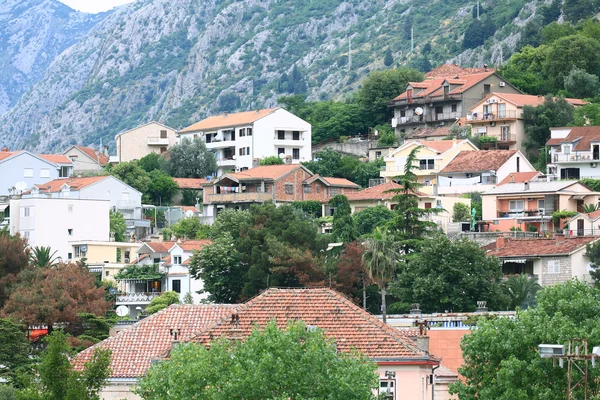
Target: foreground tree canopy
272, 364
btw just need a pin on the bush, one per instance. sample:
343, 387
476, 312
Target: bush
162, 301
461, 212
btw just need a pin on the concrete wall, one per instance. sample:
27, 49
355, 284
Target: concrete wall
133, 144
358, 149
82, 162
12, 170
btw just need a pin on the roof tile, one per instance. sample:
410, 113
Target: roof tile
477, 161
538, 247
226, 120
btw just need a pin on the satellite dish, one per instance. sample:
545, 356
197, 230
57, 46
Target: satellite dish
84, 248
281, 155
122, 311
20, 185
418, 111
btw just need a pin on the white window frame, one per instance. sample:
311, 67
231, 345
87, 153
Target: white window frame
541, 204
45, 173
554, 266
566, 149
176, 260
389, 384
27, 172
516, 209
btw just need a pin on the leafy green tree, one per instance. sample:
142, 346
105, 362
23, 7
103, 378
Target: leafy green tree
555, 31
588, 114
329, 162
344, 227
188, 298
14, 258
576, 10
372, 217
449, 275
43, 257
386, 138
231, 222
189, 196
191, 159
550, 12
581, 84
521, 291
14, 349
461, 212
118, 226
271, 160
8, 393
525, 70
381, 259
388, 59
163, 301
312, 207
592, 252
161, 188
571, 52
307, 364
501, 359
151, 162
132, 174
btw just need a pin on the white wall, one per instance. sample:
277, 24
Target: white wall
188, 284
266, 128
511, 166
12, 170
114, 190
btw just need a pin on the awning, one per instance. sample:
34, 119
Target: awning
3, 207
579, 196
516, 261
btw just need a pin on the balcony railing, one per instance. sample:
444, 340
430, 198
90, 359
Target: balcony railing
239, 197
576, 157
522, 213
128, 204
137, 298
226, 162
509, 114
158, 141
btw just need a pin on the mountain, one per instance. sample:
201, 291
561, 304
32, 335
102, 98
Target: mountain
178, 61
32, 34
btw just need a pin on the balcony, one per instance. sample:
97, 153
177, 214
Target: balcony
575, 157
239, 197
522, 213
289, 141
158, 141
488, 117
137, 298
220, 144
128, 204
226, 162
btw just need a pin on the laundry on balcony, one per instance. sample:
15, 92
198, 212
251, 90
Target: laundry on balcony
229, 189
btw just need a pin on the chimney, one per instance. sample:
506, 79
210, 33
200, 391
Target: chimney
512, 178
481, 307
5, 149
106, 151
485, 67
422, 338
255, 162
500, 242
415, 309
175, 337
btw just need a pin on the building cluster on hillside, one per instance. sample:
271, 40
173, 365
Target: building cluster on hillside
62, 201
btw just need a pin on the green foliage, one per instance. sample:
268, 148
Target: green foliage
151, 162
188, 298
525, 70
478, 32
271, 160
576, 10
132, 174
344, 227
231, 222
14, 350
191, 228
118, 226
571, 52
163, 301
307, 364
593, 184
312, 207
588, 114
592, 252
461, 212
161, 188
387, 137
191, 159
42, 256
521, 291
449, 275
581, 84
8, 393
590, 208
501, 360
189, 196
557, 216
139, 272
388, 59
370, 218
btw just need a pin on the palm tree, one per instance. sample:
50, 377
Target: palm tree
41, 256
380, 259
590, 208
521, 290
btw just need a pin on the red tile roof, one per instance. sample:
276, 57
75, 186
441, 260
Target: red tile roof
433, 87
74, 183
191, 245
477, 161
554, 142
559, 246
521, 100
273, 172
581, 135
95, 155
349, 325
53, 158
134, 348
452, 70
160, 247
340, 182
190, 183
519, 177
226, 120
189, 208
441, 146
379, 192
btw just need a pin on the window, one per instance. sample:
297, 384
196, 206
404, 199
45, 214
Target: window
163, 134
241, 151
296, 135
26, 211
307, 189
25, 234
296, 154
70, 256
70, 231
156, 260
247, 151
427, 164
163, 150
176, 260
242, 132
402, 113
566, 148
45, 173
378, 154
487, 89
427, 205
453, 107
518, 164
333, 191
516, 205
64, 172
318, 188
289, 188
177, 285
541, 204
78, 252
280, 150
281, 135
195, 136
249, 131
553, 266
387, 389
28, 173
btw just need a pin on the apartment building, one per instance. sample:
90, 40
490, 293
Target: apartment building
20, 170
86, 159
574, 153
136, 143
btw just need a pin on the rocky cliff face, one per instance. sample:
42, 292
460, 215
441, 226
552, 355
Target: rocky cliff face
178, 61
32, 34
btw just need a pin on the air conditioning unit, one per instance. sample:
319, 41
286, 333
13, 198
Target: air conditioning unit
593, 164
127, 261
502, 84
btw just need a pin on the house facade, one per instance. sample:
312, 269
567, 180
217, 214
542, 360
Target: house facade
136, 143
574, 152
583, 224
176, 264
21, 170
240, 138
443, 98
87, 160
103, 258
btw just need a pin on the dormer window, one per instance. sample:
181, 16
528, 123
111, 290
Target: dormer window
566, 148
446, 89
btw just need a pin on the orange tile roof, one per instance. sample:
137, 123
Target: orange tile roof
160, 247
379, 192
134, 348
97, 156
592, 216
452, 70
188, 208
519, 177
581, 135
554, 142
5, 154
559, 246
190, 183
191, 245
226, 120
477, 161
56, 158
340, 182
273, 172
441, 146
74, 183
348, 325
433, 86
521, 100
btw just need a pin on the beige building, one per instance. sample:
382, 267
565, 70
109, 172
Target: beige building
136, 143
86, 159
104, 258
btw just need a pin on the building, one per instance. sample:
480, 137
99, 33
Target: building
498, 119
240, 138
277, 183
433, 156
444, 97
57, 222
87, 160
479, 171
121, 197
192, 187
176, 264
574, 152
136, 143
551, 261
530, 204
103, 258
20, 170
583, 224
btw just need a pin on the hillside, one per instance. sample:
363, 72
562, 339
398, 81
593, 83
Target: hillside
32, 34
178, 61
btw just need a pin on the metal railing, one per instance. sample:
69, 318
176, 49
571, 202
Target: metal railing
509, 114
237, 197
523, 213
137, 297
158, 141
582, 157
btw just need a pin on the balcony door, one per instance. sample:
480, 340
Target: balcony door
580, 231
596, 152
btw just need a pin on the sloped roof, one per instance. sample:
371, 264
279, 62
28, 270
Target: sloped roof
521, 100
329, 181
433, 86
225, 120
379, 192
452, 70
52, 158
519, 177
191, 245
273, 172
559, 246
94, 154
158, 247
134, 348
74, 183
349, 325
190, 183
141, 126
581, 135
534, 187
477, 161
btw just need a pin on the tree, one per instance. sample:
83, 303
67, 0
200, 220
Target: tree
521, 290
271, 160
55, 295
163, 301
588, 114
581, 84
231, 222
306, 365
570, 52
118, 226
190, 228
43, 257
576, 10
14, 349
14, 258
132, 174
370, 218
191, 159
525, 70
501, 359
312, 207
161, 188
380, 259
388, 60
461, 212
449, 275
351, 274
151, 161
188, 298
329, 162
592, 252
344, 227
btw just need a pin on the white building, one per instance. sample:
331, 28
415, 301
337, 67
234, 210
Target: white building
56, 222
20, 170
237, 139
178, 275
574, 153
